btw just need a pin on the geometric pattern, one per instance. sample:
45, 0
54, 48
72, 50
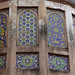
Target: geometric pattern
3, 28
27, 29
27, 61
55, 11
58, 62
2, 62
55, 29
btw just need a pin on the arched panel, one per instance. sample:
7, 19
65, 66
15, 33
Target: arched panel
73, 1
56, 31
27, 35
3, 29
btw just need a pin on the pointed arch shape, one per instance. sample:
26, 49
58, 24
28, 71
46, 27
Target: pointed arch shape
6, 32
65, 31
18, 23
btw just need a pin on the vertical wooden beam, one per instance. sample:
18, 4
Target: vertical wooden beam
43, 51
74, 35
13, 18
70, 34
42, 10
69, 26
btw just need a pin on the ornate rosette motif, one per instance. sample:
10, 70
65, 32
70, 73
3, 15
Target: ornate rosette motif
55, 29
27, 61
58, 63
27, 29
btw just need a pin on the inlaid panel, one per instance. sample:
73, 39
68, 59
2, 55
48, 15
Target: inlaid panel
3, 29
58, 62
27, 61
2, 62
27, 35
56, 29
73, 1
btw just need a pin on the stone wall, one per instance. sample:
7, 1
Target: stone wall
42, 48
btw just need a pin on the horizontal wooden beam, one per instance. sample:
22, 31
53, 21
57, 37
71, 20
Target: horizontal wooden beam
68, 2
